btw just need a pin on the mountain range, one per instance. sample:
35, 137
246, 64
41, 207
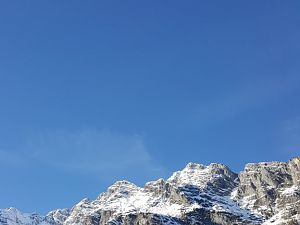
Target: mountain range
266, 193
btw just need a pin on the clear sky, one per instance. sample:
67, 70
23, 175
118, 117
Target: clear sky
96, 91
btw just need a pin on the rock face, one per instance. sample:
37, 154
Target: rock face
271, 190
264, 193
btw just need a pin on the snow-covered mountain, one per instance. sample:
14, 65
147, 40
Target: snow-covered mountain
265, 193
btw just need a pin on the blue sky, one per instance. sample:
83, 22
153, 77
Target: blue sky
96, 91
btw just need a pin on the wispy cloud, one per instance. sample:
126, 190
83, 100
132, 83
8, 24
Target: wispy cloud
95, 152
107, 155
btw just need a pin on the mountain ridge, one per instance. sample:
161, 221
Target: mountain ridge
265, 193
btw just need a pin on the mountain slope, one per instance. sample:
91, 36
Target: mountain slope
264, 193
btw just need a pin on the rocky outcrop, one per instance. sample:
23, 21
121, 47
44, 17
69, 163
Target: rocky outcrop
271, 189
263, 193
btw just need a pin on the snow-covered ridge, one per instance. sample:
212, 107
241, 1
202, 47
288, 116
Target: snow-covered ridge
12, 216
261, 194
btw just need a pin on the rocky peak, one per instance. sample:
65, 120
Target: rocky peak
194, 166
158, 188
216, 177
122, 188
58, 216
268, 186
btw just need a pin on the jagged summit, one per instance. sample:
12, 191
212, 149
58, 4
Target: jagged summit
193, 166
263, 193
